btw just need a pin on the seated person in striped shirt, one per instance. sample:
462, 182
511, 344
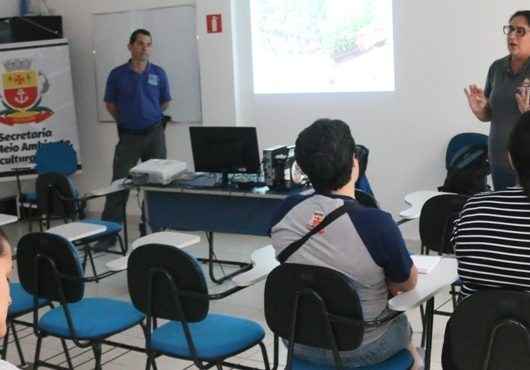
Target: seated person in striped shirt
365, 244
491, 237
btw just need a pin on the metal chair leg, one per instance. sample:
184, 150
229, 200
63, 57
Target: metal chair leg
91, 259
67, 354
453, 296
423, 326
97, 354
265, 356
17, 344
149, 360
5, 344
122, 246
36, 361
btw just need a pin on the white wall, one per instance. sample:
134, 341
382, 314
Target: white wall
97, 140
440, 47
9, 8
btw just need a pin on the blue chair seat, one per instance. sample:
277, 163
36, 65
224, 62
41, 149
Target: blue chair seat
21, 301
215, 337
92, 317
400, 361
113, 228
30, 197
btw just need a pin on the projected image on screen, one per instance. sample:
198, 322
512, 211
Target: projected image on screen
308, 46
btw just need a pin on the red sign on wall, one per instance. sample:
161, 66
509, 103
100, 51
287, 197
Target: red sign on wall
214, 23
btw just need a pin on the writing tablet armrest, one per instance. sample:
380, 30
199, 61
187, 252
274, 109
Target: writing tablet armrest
116, 187
263, 262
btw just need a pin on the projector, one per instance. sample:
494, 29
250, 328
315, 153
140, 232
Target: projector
157, 171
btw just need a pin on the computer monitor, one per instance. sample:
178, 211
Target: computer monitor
225, 150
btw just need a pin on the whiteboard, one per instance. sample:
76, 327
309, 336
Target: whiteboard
174, 49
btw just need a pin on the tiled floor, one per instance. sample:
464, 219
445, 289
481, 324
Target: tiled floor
246, 303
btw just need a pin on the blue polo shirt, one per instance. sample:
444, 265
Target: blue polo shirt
137, 95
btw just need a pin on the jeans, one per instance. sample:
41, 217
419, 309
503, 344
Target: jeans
396, 338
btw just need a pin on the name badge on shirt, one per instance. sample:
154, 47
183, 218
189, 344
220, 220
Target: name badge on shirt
152, 80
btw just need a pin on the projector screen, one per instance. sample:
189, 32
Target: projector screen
315, 46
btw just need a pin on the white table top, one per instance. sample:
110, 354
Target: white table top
171, 238
443, 275
7, 219
254, 193
264, 261
77, 230
416, 200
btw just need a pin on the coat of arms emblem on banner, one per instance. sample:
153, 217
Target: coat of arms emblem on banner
22, 91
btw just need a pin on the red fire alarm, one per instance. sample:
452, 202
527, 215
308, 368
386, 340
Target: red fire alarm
214, 23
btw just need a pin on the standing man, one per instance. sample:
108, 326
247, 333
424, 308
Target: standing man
136, 94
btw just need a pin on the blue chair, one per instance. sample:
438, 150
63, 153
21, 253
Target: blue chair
319, 307
166, 283
57, 198
57, 157
366, 199
49, 268
21, 304
460, 142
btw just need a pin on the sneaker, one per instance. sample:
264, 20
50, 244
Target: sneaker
104, 244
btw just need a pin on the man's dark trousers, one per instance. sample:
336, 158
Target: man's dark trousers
131, 148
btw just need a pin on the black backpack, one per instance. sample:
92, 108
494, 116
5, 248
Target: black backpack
467, 171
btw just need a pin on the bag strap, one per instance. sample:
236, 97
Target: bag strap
332, 216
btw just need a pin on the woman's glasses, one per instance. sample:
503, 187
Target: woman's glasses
519, 31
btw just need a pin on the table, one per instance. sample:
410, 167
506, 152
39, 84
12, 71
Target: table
7, 219
442, 276
212, 210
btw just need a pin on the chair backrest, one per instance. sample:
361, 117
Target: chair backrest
50, 187
36, 253
325, 296
489, 330
159, 269
436, 221
56, 157
460, 141
366, 199
362, 153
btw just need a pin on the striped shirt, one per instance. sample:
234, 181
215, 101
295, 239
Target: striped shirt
491, 238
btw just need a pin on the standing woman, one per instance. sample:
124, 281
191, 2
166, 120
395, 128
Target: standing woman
505, 97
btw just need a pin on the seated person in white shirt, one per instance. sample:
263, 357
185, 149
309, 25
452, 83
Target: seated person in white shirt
365, 244
491, 237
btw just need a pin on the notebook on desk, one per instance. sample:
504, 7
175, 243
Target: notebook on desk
425, 264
